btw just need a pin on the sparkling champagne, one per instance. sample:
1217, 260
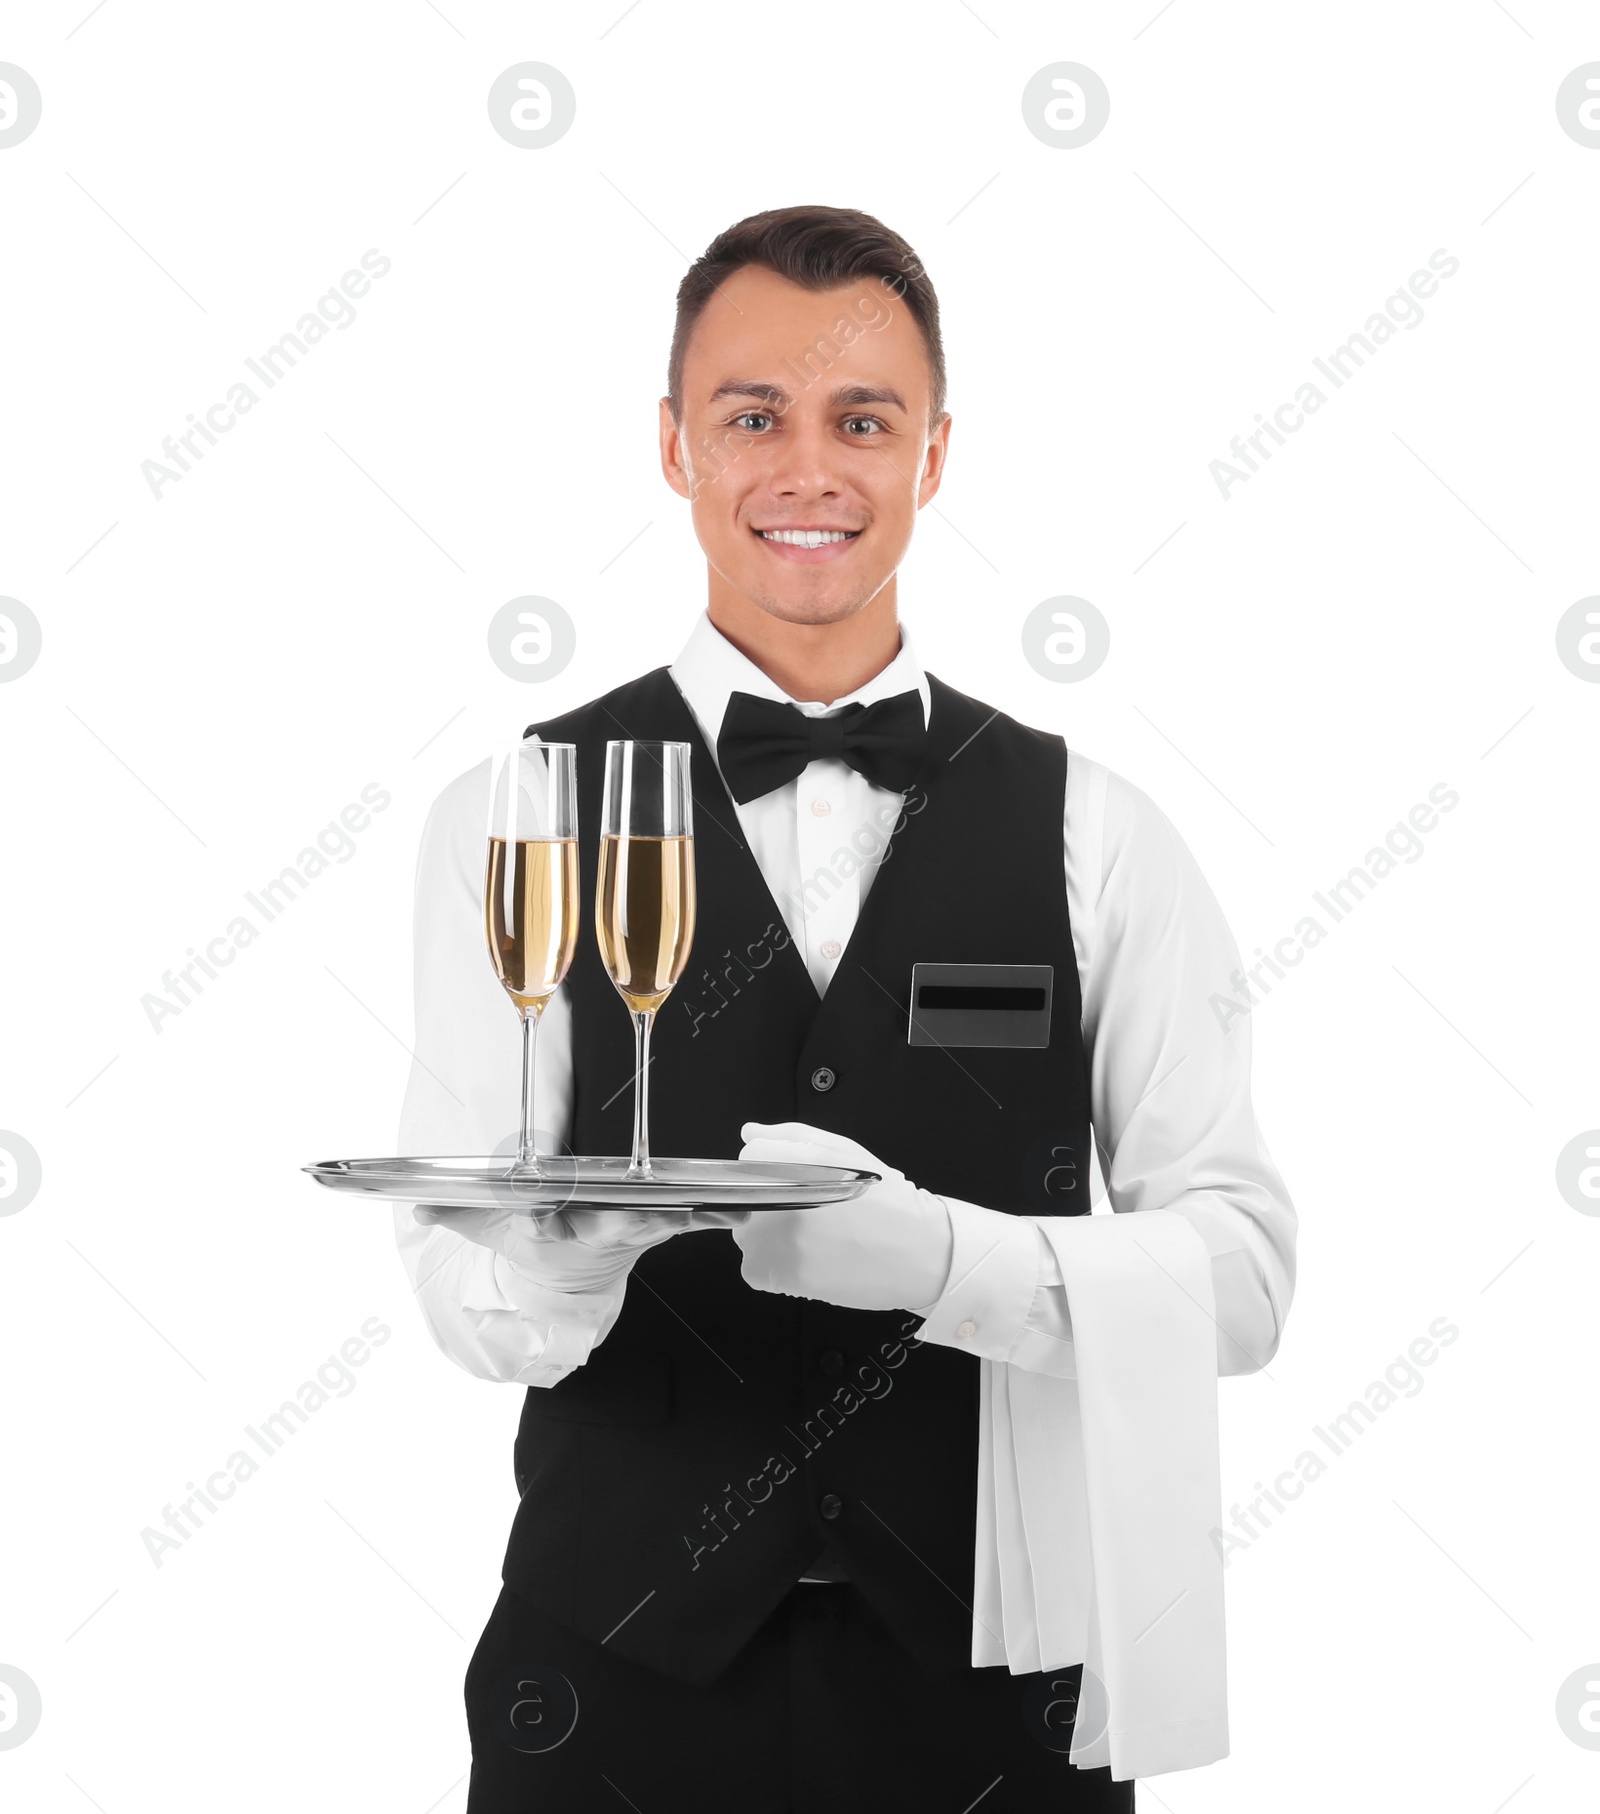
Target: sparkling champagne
531, 918
644, 915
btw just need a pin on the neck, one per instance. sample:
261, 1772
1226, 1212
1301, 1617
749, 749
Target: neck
812, 661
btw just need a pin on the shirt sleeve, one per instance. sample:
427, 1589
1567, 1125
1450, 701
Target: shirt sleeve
1170, 1100
462, 1097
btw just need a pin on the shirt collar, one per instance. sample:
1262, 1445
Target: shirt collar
709, 669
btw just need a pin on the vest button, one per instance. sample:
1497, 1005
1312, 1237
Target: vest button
830, 1505
830, 1360
822, 1078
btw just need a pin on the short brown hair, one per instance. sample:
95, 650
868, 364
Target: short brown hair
818, 248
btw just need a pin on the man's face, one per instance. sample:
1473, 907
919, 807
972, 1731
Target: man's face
804, 410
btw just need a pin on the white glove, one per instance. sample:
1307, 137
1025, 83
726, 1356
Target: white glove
888, 1249
574, 1250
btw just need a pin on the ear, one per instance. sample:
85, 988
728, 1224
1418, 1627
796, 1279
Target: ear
674, 468
933, 461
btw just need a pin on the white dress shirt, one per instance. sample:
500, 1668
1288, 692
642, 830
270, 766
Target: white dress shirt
1169, 1098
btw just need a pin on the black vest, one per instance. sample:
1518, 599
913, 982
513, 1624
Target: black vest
675, 1485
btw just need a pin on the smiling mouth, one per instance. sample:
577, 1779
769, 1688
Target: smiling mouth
808, 538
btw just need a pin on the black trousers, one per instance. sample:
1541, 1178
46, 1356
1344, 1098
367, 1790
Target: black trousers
821, 1713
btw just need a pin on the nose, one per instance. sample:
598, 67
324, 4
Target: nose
805, 461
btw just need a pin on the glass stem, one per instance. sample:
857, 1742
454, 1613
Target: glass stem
527, 1155
643, 1020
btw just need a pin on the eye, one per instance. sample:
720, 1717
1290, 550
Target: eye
748, 415
873, 420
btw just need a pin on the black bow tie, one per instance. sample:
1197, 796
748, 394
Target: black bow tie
764, 743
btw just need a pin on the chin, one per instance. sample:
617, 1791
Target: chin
809, 611
827, 609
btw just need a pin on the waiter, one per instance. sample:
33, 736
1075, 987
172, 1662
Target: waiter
754, 1485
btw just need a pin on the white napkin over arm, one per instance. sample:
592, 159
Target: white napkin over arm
1112, 1493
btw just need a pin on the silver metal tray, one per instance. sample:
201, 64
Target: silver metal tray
584, 1182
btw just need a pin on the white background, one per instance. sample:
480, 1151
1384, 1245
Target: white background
1373, 613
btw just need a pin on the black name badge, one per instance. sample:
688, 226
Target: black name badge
980, 1004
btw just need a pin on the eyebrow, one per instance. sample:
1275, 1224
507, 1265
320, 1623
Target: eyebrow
779, 398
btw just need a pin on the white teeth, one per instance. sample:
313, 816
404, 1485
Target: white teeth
806, 538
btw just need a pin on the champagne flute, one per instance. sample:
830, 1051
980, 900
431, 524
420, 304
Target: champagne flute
644, 900
530, 893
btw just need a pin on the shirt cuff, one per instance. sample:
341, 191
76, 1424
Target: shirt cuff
994, 1272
